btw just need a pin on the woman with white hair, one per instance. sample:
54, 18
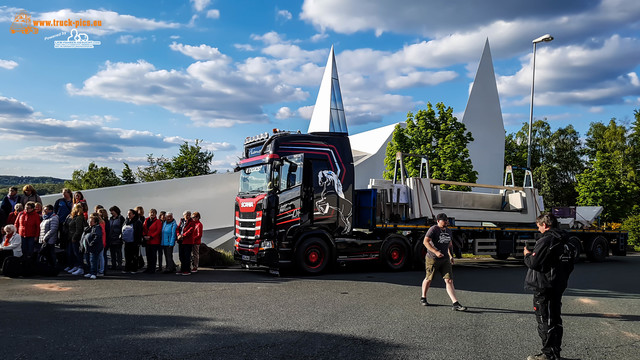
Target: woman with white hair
11, 244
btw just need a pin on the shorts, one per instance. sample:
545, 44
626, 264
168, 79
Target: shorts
441, 265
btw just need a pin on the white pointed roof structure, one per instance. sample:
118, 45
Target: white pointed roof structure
483, 118
328, 113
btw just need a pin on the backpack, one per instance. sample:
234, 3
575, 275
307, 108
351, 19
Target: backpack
127, 233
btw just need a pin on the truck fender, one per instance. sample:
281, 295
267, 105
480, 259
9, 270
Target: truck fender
319, 233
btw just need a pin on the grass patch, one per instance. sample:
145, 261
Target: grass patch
225, 259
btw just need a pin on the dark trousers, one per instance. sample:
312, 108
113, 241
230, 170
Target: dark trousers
160, 253
152, 254
185, 257
131, 253
48, 252
168, 255
116, 256
547, 305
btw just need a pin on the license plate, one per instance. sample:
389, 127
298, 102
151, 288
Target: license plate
246, 257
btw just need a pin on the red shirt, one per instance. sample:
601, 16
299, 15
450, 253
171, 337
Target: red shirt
154, 231
197, 234
187, 232
28, 224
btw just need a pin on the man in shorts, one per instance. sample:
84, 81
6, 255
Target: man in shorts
439, 259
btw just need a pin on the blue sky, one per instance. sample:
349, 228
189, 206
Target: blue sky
221, 70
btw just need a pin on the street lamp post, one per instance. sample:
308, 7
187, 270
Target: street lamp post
545, 38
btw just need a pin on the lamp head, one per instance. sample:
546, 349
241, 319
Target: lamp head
545, 38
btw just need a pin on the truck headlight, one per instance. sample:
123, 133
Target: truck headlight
267, 244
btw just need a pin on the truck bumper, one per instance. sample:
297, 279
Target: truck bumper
268, 258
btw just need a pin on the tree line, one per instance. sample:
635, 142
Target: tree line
601, 169
191, 160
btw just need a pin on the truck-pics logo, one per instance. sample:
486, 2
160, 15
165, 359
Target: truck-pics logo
22, 24
76, 41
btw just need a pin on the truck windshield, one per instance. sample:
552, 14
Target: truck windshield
255, 179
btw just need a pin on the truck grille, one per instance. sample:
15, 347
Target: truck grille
248, 226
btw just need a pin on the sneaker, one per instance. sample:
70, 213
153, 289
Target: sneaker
178, 273
92, 277
67, 269
458, 307
87, 275
423, 302
78, 272
100, 274
540, 356
194, 270
124, 272
132, 272
72, 270
186, 273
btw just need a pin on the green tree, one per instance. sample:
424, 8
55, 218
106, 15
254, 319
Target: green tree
127, 175
606, 180
155, 171
94, 177
439, 136
555, 160
191, 160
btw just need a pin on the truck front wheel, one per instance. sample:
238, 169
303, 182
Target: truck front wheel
599, 250
395, 253
312, 255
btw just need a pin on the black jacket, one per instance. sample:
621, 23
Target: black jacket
548, 266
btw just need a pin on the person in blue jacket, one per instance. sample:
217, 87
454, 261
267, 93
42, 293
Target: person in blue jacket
168, 241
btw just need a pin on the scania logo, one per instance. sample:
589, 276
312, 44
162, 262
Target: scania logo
246, 204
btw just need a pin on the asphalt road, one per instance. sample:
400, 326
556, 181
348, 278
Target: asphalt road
354, 313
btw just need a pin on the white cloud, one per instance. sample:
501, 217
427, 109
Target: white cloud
319, 37
200, 5
592, 74
202, 52
10, 107
8, 64
211, 93
284, 15
428, 17
284, 113
244, 47
129, 39
213, 14
112, 22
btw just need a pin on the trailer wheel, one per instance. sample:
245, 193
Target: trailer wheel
578, 245
419, 253
599, 250
395, 253
312, 256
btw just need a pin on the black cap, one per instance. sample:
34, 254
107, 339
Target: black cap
441, 216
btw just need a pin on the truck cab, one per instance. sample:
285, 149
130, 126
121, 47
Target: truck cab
293, 187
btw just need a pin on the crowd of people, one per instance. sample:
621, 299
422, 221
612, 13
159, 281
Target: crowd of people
94, 242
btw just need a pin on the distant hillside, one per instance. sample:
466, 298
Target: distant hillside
8, 180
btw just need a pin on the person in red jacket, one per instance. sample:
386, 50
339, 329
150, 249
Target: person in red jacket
13, 216
197, 240
28, 224
152, 234
185, 233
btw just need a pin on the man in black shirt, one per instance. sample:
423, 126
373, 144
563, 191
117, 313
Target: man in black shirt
439, 258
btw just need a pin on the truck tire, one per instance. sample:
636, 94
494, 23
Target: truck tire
599, 250
395, 253
419, 253
312, 256
578, 245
